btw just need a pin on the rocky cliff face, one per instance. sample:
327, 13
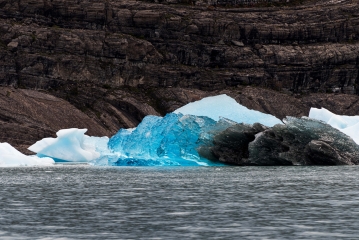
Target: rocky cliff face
312, 47
117, 61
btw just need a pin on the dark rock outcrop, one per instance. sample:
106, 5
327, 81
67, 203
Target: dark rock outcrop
231, 145
27, 116
300, 141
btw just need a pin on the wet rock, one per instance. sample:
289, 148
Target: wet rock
321, 153
231, 145
27, 116
300, 141
12, 46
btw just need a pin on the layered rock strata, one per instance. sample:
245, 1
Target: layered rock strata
27, 116
312, 47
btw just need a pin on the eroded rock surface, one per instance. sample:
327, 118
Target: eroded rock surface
300, 141
27, 116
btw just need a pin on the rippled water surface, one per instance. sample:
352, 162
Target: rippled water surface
83, 202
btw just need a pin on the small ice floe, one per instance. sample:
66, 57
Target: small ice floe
10, 157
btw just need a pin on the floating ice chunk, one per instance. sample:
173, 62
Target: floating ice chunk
70, 145
225, 106
176, 138
346, 124
10, 157
163, 141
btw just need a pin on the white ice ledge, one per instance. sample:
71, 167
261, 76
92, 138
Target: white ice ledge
346, 124
225, 106
10, 157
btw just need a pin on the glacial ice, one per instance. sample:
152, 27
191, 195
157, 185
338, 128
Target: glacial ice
10, 157
163, 141
175, 138
226, 107
172, 140
346, 124
71, 145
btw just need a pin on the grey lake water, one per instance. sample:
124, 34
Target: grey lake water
84, 202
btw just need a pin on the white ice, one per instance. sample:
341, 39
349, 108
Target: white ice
10, 157
225, 106
346, 124
70, 145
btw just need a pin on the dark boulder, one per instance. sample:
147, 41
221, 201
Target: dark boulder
231, 145
300, 141
321, 153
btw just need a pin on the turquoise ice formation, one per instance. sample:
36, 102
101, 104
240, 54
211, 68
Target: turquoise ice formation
175, 138
163, 141
157, 141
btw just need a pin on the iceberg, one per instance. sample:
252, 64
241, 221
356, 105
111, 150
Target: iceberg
10, 157
226, 107
71, 145
177, 138
196, 134
163, 141
174, 139
346, 124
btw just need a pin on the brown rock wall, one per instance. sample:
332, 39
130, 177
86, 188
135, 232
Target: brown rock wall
313, 47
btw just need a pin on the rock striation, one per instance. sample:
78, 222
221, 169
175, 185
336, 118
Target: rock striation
311, 47
27, 116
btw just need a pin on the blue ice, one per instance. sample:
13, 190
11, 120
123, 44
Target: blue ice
163, 141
